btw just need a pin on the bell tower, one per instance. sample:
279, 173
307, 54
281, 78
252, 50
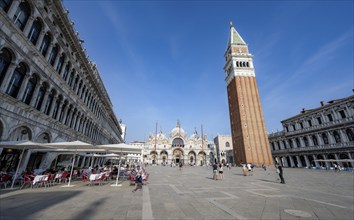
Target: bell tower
248, 131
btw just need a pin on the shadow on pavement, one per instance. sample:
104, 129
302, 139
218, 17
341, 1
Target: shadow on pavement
270, 181
23, 206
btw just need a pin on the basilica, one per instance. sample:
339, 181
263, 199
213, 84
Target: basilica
178, 148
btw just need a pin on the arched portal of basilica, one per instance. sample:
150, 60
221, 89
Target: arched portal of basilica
177, 148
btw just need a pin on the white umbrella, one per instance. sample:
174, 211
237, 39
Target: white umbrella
122, 148
22, 145
73, 145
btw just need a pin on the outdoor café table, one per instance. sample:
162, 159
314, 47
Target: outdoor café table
94, 177
39, 178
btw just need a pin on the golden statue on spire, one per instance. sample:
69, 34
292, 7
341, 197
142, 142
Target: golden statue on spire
231, 25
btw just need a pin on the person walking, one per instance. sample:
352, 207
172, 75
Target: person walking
221, 171
215, 170
244, 168
280, 172
138, 179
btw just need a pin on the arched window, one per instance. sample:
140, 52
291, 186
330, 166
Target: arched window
273, 147
350, 134
291, 143
177, 142
227, 144
60, 63
325, 138
31, 85
314, 140
45, 44
35, 31
40, 97
5, 60
71, 79
5, 4
66, 71
22, 14
16, 80
53, 54
237, 64
56, 107
76, 82
247, 64
49, 102
336, 137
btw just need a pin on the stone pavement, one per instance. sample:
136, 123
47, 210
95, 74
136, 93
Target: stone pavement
193, 194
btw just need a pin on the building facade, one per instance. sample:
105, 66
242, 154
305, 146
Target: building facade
316, 136
224, 149
178, 148
49, 90
249, 137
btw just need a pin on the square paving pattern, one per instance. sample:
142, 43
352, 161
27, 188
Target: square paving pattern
192, 194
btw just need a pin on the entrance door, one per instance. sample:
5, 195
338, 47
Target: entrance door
177, 159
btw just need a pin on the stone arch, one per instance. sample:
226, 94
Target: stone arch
163, 156
192, 157
201, 158
43, 137
2, 130
178, 155
21, 133
344, 156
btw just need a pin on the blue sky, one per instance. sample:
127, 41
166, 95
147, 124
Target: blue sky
163, 60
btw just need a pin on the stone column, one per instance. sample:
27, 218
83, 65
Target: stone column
28, 26
338, 158
308, 164
291, 161
77, 124
73, 121
49, 51
82, 164
299, 163
343, 136
77, 161
285, 161
67, 120
55, 65
319, 139
349, 156
8, 75
64, 67
44, 105
316, 162
330, 138
23, 86
327, 163
40, 39
59, 110
13, 8
65, 114
51, 107
35, 94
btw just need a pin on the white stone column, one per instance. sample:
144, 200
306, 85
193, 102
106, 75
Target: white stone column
291, 161
40, 39
299, 163
59, 110
28, 26
316, 162
49, 51
327, 163
44, 103
338, 158
308, 164
65, 114
35, 94
23, 86
55, 65
13, 8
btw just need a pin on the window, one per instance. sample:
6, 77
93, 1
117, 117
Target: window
329, 116
284, 144
336, 137
53, 55
35, 31
5, 4
66, 71
293, 127
22, 14
287, 129
319, 121
56, 108
350, 134
5, 60
310, 123
16, 80
342, 113
291, 143
31, 85
314, 140
325, 138
227, 144
45, 44
60, 63
40, 97
49, 103
71, 78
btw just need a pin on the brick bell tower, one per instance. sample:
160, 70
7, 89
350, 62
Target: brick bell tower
249, 136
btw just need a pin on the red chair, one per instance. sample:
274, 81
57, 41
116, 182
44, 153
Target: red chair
100, 179
64, 176
85, 177
5, 179
27, 179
